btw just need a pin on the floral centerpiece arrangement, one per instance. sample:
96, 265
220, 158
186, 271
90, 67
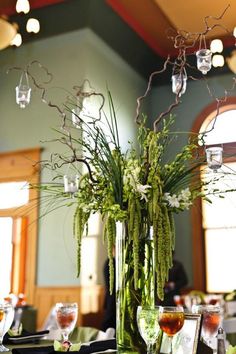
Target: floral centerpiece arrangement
137, 191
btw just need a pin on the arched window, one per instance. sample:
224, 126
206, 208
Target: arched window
214, 225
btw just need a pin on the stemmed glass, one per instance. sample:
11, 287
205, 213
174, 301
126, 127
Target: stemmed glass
66, 316
211, 321
171, 320
6, 319
147, 320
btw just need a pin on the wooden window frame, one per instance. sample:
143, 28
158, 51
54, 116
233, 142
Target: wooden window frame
21, 165
198, 245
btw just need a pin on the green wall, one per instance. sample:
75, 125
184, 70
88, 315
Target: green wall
192, 103
70, 57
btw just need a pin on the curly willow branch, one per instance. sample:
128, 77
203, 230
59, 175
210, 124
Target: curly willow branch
180, 64
139, 99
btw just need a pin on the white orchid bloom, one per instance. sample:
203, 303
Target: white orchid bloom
142, 189
172, 200
185, 194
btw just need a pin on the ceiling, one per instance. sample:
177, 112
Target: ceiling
136, 29
153, 19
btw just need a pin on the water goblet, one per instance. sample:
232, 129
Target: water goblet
171, 320
6, 319
211, 321
147, 320
66, 317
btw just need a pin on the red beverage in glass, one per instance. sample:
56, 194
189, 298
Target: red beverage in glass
66, 316
211, 323
171, 323
65, 320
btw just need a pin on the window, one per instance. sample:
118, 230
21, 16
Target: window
219, 225
18, 221
214, 225
14, 194
6, 255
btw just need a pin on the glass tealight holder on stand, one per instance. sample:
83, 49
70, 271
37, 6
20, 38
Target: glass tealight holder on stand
23, 91
214, 156
204, 60
71, 183
179, 83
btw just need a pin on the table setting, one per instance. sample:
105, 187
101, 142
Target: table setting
164, 329
17, 340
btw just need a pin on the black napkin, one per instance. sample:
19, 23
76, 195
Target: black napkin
24, 337
97, 346
38, 350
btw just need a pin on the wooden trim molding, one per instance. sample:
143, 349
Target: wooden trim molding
209, 112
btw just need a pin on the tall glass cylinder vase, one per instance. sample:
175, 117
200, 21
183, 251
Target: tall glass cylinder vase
129, 297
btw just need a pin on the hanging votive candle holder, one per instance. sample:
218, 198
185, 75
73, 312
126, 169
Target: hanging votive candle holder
179, 83
204, 60
23, 94
71, 183
214, 156
23, 91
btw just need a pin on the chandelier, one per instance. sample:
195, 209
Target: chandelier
9, 34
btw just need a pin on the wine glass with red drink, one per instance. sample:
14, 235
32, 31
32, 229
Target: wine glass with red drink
171, 320
66, 316
211, 321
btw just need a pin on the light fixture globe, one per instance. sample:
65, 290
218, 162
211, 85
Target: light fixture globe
17, 40
218, 60
216, 46
33, 25
22, 6
8, 32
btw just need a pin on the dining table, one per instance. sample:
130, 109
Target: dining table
87, 336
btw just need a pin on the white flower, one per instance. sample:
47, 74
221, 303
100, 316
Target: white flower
142, 189
172, 200
185, 194
182, 200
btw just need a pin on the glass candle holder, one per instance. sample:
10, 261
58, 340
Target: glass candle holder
204, 60
214, 157
71, 183
179, 83
23, 94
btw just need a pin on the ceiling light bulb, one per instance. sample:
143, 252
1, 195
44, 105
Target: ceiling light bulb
216, 46
218, 60
17, 40
33, 25
22, 6
234, 32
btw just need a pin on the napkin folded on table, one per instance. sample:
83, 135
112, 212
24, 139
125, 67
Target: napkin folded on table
93, 347
24, 337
